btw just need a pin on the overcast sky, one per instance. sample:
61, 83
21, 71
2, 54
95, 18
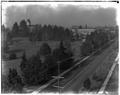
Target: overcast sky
65, 15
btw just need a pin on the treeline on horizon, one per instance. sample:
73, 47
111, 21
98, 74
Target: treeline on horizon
39, 32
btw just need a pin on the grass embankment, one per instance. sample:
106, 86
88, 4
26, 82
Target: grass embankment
101, 72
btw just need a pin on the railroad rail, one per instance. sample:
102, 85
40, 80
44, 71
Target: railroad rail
68, 70
102, 89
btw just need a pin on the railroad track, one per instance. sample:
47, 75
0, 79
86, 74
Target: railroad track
68, 70
102, 89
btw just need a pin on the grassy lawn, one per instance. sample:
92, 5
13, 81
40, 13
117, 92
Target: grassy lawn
30, 50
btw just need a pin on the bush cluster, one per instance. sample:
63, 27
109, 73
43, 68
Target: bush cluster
95, 40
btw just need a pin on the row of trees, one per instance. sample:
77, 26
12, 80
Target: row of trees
39, 32
96, 40
19, 30
50, 32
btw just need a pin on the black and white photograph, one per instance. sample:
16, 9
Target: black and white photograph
59, 47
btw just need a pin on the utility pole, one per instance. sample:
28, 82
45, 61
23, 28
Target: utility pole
58, 78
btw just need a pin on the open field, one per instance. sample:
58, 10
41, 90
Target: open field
30, 50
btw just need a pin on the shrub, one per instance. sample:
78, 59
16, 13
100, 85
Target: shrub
87, 83
12, 56
32, 71
14, 80
63, 55
51, 63
45, 49
94, 41
86, 48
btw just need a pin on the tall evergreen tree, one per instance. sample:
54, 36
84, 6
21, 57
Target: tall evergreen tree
45, 49
32, 72
15, 28
61, 54
24, 30
14, 80
12, 56
23, 62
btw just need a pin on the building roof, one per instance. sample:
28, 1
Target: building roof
84, 31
